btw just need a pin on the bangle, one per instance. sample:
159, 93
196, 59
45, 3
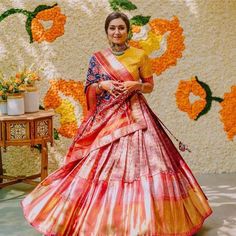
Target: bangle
100, 86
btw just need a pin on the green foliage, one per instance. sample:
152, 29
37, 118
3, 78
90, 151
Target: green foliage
42, 8
38, 146
41, 107
13, 11
28, 27
130, 35
123, 4
209, 98
217, 99
139, 20
30, 16
55, 134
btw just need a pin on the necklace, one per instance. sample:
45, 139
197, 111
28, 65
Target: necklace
118, 53
119, 49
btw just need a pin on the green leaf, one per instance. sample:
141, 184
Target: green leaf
38, 146
217, 99
130, 35
41, 107
208, 98
13, 11
139, 20
42, 8
28, 27
123, 4
55, 134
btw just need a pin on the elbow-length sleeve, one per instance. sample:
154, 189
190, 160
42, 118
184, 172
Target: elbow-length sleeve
145, 69
93, 76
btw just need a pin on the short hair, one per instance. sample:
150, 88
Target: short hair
116, 15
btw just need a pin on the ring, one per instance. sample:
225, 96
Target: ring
112, 88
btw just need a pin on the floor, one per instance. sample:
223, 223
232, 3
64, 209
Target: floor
220, 190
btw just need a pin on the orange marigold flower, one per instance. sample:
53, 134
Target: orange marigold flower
228, 112
175, 43
39, 33
185, 88
10, 88
135, 28
68, 130
135, 44
53, 100
17, 80
18, 75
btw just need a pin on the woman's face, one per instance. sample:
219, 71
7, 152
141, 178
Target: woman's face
117, 31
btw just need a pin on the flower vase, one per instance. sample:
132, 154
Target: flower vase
31, 99
3, 107
15, 104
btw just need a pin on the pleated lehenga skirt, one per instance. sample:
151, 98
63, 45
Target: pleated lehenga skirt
138, 185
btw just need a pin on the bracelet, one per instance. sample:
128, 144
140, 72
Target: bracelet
100, 86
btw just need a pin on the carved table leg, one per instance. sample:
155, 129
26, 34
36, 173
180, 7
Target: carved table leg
44, 161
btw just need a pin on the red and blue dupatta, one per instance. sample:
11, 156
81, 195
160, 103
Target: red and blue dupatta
108, 118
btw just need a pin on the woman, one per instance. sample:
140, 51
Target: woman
122, 174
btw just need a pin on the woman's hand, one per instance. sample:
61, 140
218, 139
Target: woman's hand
115, 88
130, 86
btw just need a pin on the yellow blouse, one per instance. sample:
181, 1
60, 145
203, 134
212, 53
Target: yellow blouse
137, 63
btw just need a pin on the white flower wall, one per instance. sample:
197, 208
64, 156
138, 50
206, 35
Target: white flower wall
208, 51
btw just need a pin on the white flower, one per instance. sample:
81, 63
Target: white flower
143, 34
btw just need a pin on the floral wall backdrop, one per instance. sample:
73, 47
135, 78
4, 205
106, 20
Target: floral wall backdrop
192, 46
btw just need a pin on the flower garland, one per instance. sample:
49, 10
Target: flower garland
175, 43
228, 112
182, 97
203, 104
65, 108
34, 28
198, 88
39, 33
150, 38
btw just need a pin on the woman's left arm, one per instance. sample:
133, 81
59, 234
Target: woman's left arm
145, 85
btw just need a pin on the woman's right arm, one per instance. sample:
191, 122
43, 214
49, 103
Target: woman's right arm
113, 87
94, 84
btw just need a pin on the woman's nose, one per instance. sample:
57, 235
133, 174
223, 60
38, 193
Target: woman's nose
117, 31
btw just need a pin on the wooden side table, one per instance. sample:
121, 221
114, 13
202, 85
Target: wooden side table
28, 129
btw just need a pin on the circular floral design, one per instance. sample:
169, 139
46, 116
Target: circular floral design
228, 112
34, 28
39, 33
184, 90
159, 30
64, 107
